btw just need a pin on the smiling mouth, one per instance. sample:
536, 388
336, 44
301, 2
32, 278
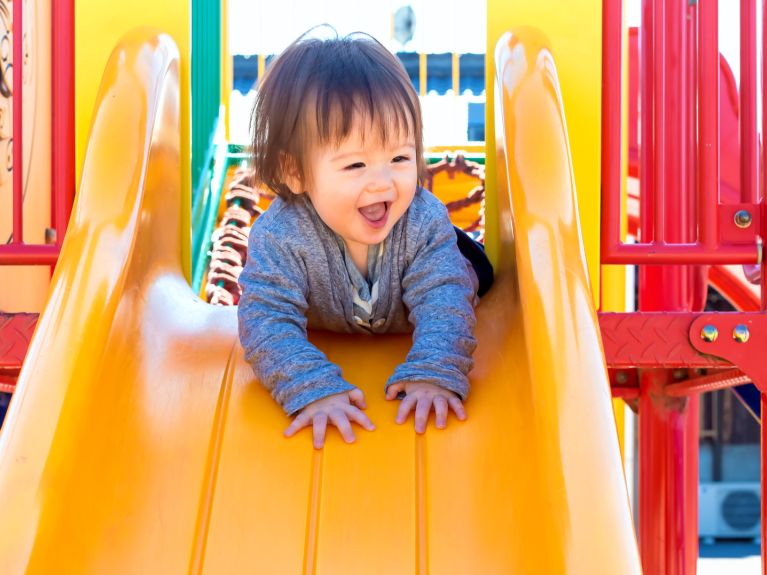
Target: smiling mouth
375, 214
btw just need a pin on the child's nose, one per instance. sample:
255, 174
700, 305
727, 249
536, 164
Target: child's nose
381, 180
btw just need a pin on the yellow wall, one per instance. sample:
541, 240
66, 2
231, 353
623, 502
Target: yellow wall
574, 30
98, 27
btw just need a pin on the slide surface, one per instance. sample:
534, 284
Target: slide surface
138, 441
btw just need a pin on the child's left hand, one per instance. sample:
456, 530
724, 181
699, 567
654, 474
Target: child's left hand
421, 397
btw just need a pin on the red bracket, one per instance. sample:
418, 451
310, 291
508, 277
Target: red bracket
739, 338
739, 230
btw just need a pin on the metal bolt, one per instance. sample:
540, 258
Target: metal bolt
621, 377
709, 333
740, 333
679, 374
743, 218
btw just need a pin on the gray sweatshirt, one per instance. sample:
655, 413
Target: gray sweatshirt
296, 277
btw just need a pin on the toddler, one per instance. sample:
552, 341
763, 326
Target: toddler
352, 243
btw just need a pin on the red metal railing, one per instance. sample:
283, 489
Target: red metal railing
655, 354
62, 136
717, 238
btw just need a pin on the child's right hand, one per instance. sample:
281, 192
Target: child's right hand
340, 408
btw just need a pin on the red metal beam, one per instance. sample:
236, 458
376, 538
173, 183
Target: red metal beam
713, 382
34, 255
680, 254
652, 340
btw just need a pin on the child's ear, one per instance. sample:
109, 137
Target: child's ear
291, 174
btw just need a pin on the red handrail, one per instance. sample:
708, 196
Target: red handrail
663, 208
18, 148
62, 136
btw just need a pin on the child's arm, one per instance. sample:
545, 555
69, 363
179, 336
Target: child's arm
439, 293
272, 326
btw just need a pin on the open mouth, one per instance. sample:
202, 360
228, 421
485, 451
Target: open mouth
376, 214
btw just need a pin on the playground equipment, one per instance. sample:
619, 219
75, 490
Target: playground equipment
137, 439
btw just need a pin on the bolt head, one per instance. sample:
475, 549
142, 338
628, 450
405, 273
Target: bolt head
743, 218
621, 377
740, 333
709, 333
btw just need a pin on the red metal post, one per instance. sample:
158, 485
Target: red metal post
763, 207
62, 114
763, 439
646, 105
612, 30
668, 428
708, 98
657, 122
749, 153
18, 147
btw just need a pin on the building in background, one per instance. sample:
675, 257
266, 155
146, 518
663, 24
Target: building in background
441, 44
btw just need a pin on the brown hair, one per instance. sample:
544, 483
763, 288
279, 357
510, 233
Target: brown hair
342, 79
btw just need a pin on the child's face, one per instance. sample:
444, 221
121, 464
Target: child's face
362, 187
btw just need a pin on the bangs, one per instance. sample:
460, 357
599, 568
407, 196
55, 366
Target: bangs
349, 104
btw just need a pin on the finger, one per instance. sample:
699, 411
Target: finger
320, 426
394, 390
422, 414
301, 421
340, 420
357, 398
355, 414
440, 410
457, 407
404, 408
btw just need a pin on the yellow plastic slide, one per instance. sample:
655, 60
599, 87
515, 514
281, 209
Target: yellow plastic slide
138, 441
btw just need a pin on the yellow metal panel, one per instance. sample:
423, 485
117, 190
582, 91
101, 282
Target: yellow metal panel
98, 27
574, 31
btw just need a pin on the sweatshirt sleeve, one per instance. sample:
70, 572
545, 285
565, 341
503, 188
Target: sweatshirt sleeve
439, 294
272, 326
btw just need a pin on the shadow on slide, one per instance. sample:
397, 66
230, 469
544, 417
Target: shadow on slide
138, 442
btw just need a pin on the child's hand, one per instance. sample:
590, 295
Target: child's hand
422, 396
340, 408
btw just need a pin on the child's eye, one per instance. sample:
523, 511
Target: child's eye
355, 166
399, 159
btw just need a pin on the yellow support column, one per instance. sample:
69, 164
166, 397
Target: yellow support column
456, 68
98, 27
227, 72
422, 73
